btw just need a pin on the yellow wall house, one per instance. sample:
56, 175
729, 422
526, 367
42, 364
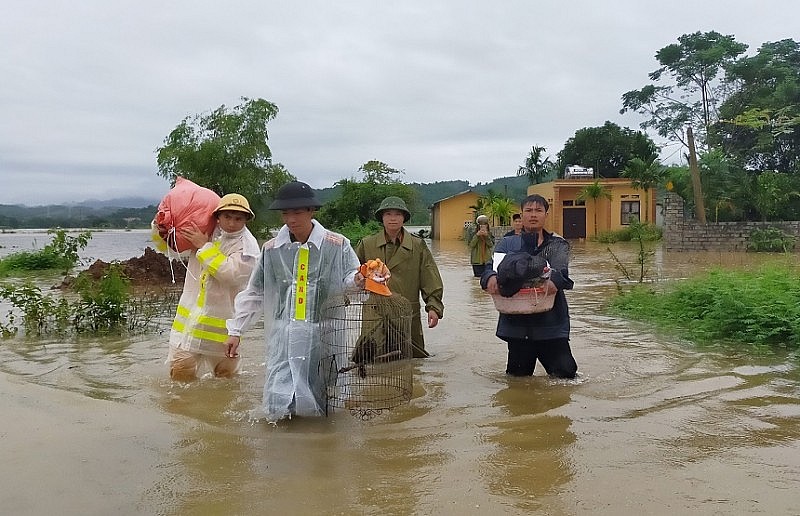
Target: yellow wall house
573, 218
449, 216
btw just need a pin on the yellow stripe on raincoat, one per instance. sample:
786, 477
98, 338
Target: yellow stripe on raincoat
216, 273
212, 258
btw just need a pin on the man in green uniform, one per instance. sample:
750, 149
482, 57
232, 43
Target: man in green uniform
414, 273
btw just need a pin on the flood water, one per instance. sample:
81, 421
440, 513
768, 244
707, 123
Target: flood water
652, 425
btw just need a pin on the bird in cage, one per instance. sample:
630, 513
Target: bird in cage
383, 328
368, 336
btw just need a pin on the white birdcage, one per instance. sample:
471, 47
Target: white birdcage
367, 338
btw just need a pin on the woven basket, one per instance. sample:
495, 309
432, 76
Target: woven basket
526, 301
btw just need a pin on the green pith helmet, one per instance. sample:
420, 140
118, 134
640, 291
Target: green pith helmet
392, 203
294, 194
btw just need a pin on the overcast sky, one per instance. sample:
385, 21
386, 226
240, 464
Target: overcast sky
443, 90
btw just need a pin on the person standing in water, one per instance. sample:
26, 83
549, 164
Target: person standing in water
414, 272
218, 269
481, 246
297, 271
540, 336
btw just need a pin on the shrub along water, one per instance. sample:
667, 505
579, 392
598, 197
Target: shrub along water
355, 231
641, 231
643, 235
103, 305
750, 307
61, 254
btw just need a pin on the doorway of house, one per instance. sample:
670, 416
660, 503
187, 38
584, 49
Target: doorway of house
574, 223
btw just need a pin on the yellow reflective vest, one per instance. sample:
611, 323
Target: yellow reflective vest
215, 274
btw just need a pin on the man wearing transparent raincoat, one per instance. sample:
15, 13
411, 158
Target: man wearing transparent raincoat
298, 270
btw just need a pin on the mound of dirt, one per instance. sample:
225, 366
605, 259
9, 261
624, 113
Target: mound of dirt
152, 269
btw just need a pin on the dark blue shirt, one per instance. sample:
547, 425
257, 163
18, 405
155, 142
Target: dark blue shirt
554, 323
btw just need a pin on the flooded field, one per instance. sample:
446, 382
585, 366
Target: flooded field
652, 425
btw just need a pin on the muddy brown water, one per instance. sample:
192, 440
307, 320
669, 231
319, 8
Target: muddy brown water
652, 425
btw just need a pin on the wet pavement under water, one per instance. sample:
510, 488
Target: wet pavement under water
652, 425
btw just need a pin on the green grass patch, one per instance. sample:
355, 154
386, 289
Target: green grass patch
31, 261
752, 307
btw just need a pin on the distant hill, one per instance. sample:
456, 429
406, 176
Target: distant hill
81, 215
513, 187
132, 212
122, 202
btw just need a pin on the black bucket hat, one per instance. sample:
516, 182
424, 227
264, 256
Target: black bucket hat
294, 195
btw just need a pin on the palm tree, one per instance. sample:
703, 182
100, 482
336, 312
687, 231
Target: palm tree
486, 201
478, 208
502, 208
594, 192
497, 207
536, 167
644, 176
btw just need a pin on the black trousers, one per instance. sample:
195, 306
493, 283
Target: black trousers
477, 269
555, 356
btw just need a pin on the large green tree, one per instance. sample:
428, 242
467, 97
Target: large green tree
226, 151
727, 189
774, 190
358, 200
760, 121
693, 91
379, 173
607, 149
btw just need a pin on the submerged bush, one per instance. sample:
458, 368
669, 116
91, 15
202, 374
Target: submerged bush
760, 307
39, 313
61, 253
770, 240
643, 235
355, 230
102, 306
635, 231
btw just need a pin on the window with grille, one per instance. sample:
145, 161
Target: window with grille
629, 212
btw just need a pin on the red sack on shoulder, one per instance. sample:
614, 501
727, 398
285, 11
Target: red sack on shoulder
185, 204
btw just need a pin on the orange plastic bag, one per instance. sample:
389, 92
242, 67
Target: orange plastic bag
185, 204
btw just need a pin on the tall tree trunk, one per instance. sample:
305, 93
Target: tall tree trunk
697, 187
